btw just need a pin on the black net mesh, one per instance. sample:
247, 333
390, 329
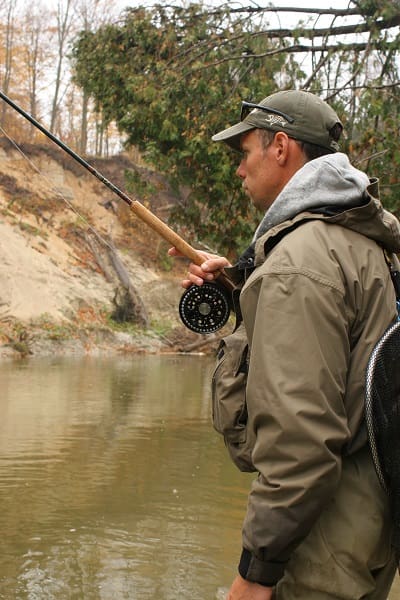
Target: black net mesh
383, 418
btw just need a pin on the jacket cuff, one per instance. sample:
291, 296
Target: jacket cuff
266, 573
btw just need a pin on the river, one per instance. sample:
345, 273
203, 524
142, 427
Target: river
113, 484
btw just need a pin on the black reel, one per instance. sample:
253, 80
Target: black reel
205, 308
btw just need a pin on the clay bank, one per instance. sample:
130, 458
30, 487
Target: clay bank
79, 273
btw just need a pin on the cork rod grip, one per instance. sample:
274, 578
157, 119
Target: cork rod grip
173, 238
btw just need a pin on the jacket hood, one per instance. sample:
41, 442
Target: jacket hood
325, 181
327, 188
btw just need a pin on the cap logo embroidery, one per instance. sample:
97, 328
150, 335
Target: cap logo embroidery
275, 119
270, 118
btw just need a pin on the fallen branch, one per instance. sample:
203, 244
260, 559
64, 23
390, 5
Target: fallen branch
205, 340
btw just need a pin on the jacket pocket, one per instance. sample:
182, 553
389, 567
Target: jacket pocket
229, 409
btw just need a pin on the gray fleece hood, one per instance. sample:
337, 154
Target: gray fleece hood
326, 181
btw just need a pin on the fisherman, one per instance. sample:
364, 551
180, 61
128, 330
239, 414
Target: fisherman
316, 295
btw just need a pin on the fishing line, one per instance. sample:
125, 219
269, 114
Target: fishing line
55, 190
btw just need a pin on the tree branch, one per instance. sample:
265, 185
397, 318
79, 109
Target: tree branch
310, 34
338, 12
295, 48
364, 27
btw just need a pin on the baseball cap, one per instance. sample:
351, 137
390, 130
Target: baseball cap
302, 115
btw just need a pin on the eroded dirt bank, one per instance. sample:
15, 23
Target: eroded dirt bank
61, 231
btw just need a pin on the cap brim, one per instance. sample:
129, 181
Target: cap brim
232, 135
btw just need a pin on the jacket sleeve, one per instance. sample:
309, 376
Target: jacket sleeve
295, 393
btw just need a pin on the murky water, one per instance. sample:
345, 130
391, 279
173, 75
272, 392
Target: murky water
113, 484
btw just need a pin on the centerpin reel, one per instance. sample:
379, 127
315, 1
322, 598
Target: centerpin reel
205, 308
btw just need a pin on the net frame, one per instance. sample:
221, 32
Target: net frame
382, 409
383, 365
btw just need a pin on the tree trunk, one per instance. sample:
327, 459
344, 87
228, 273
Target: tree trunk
110, 263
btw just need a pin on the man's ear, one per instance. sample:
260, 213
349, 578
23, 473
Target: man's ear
282, 147
289, 152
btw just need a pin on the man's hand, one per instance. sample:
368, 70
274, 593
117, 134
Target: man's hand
246, 590
208, 271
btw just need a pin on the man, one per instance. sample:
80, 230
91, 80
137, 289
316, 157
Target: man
316, 296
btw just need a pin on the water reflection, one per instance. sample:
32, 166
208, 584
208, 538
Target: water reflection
112, 483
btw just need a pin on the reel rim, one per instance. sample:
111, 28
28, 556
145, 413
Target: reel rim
204, 308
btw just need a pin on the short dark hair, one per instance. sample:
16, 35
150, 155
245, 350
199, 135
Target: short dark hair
311, 151
266, 136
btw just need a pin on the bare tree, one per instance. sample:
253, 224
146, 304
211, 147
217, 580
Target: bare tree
9, 32
64, 19
91, 14
36, 51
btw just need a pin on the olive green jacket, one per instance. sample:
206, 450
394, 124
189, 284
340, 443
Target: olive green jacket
318, 300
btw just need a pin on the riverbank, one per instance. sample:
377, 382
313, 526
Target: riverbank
72, 253
94, 337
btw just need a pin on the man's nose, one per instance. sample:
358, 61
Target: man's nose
240, 171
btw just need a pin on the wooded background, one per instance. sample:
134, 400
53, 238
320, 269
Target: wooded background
163, 79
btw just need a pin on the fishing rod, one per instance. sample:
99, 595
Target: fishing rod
203, 309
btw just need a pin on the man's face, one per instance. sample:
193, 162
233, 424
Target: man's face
259, 171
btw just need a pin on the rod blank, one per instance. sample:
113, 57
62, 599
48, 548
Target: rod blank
137, 207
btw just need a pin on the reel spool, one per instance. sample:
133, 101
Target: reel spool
205, 308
